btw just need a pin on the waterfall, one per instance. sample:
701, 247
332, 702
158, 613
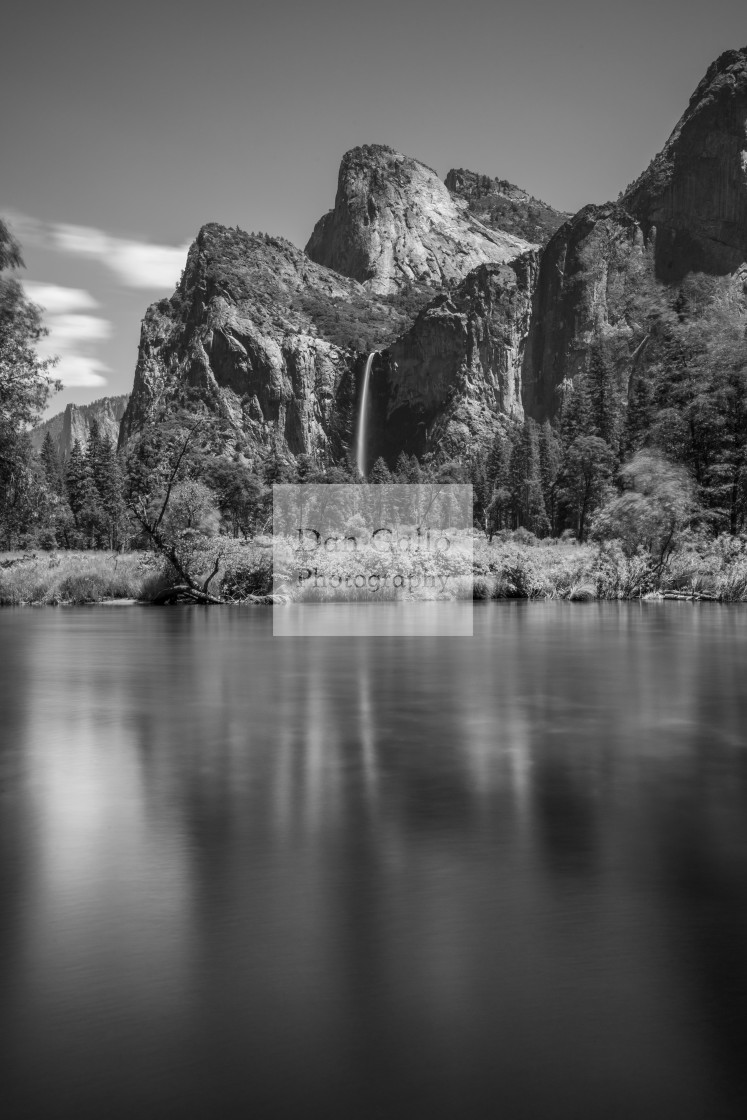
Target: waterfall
360, 445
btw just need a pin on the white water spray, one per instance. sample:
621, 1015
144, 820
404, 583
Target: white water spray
360, 446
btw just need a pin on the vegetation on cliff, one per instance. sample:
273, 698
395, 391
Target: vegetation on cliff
504, 206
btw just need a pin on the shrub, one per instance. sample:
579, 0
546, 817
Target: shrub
653, 512
251, 576
83, 587
582, 593
156, 581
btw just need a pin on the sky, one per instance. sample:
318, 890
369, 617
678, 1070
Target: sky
127, 126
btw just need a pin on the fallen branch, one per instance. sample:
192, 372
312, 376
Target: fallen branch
184, 593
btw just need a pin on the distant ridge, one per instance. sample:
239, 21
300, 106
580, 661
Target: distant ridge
75, 423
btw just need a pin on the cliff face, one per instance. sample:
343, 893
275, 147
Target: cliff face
445, 382
75, 423
275, 340
694, 193
500, 205
395, 225
686, 213
589, 274
267, 338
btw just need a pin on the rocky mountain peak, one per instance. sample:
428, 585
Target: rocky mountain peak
694, 192
469, 323
266, 338
395, 225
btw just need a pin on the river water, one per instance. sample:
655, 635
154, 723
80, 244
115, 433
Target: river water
503, 875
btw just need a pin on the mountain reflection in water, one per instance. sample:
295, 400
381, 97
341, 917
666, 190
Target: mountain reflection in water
374, 877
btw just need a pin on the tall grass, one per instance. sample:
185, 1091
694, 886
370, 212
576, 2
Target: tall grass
512, 568
370, 574
565, 570
77, 577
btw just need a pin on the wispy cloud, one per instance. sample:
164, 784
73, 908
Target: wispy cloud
58, 300
72, 332
79, 370
135, 264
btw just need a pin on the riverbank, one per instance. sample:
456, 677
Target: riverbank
58, 578
714, 570
510, 568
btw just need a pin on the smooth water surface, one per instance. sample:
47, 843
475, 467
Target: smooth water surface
498, 876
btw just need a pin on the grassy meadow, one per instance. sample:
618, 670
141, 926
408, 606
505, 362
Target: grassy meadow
511, 567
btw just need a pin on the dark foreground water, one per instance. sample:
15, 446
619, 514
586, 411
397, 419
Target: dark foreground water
499, 876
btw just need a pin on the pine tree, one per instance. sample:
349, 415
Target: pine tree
51, 465
550, 459
380, 473
638, 416
499, 458
107, 478
104, 513
81, 493
525, 481
307, 470
499, 513
93, 447
415, 474
584, 480
603, 402
576, 414
77, 479
402, 468
481, 488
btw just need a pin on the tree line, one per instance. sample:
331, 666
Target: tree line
663, 409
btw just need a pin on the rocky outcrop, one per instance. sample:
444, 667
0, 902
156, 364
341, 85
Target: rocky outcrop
75, 423
686, 213
693, 196
443, 385
269, 340
590, 271
395, 225
503, 206
275, 340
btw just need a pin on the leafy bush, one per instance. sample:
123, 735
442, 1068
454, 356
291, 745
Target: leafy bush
252, 576
652, 512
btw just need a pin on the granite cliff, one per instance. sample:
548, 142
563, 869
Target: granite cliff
75, 423
268, 339
395, 225
687, 213
589, 274
693, 195
471, 322
441, 386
